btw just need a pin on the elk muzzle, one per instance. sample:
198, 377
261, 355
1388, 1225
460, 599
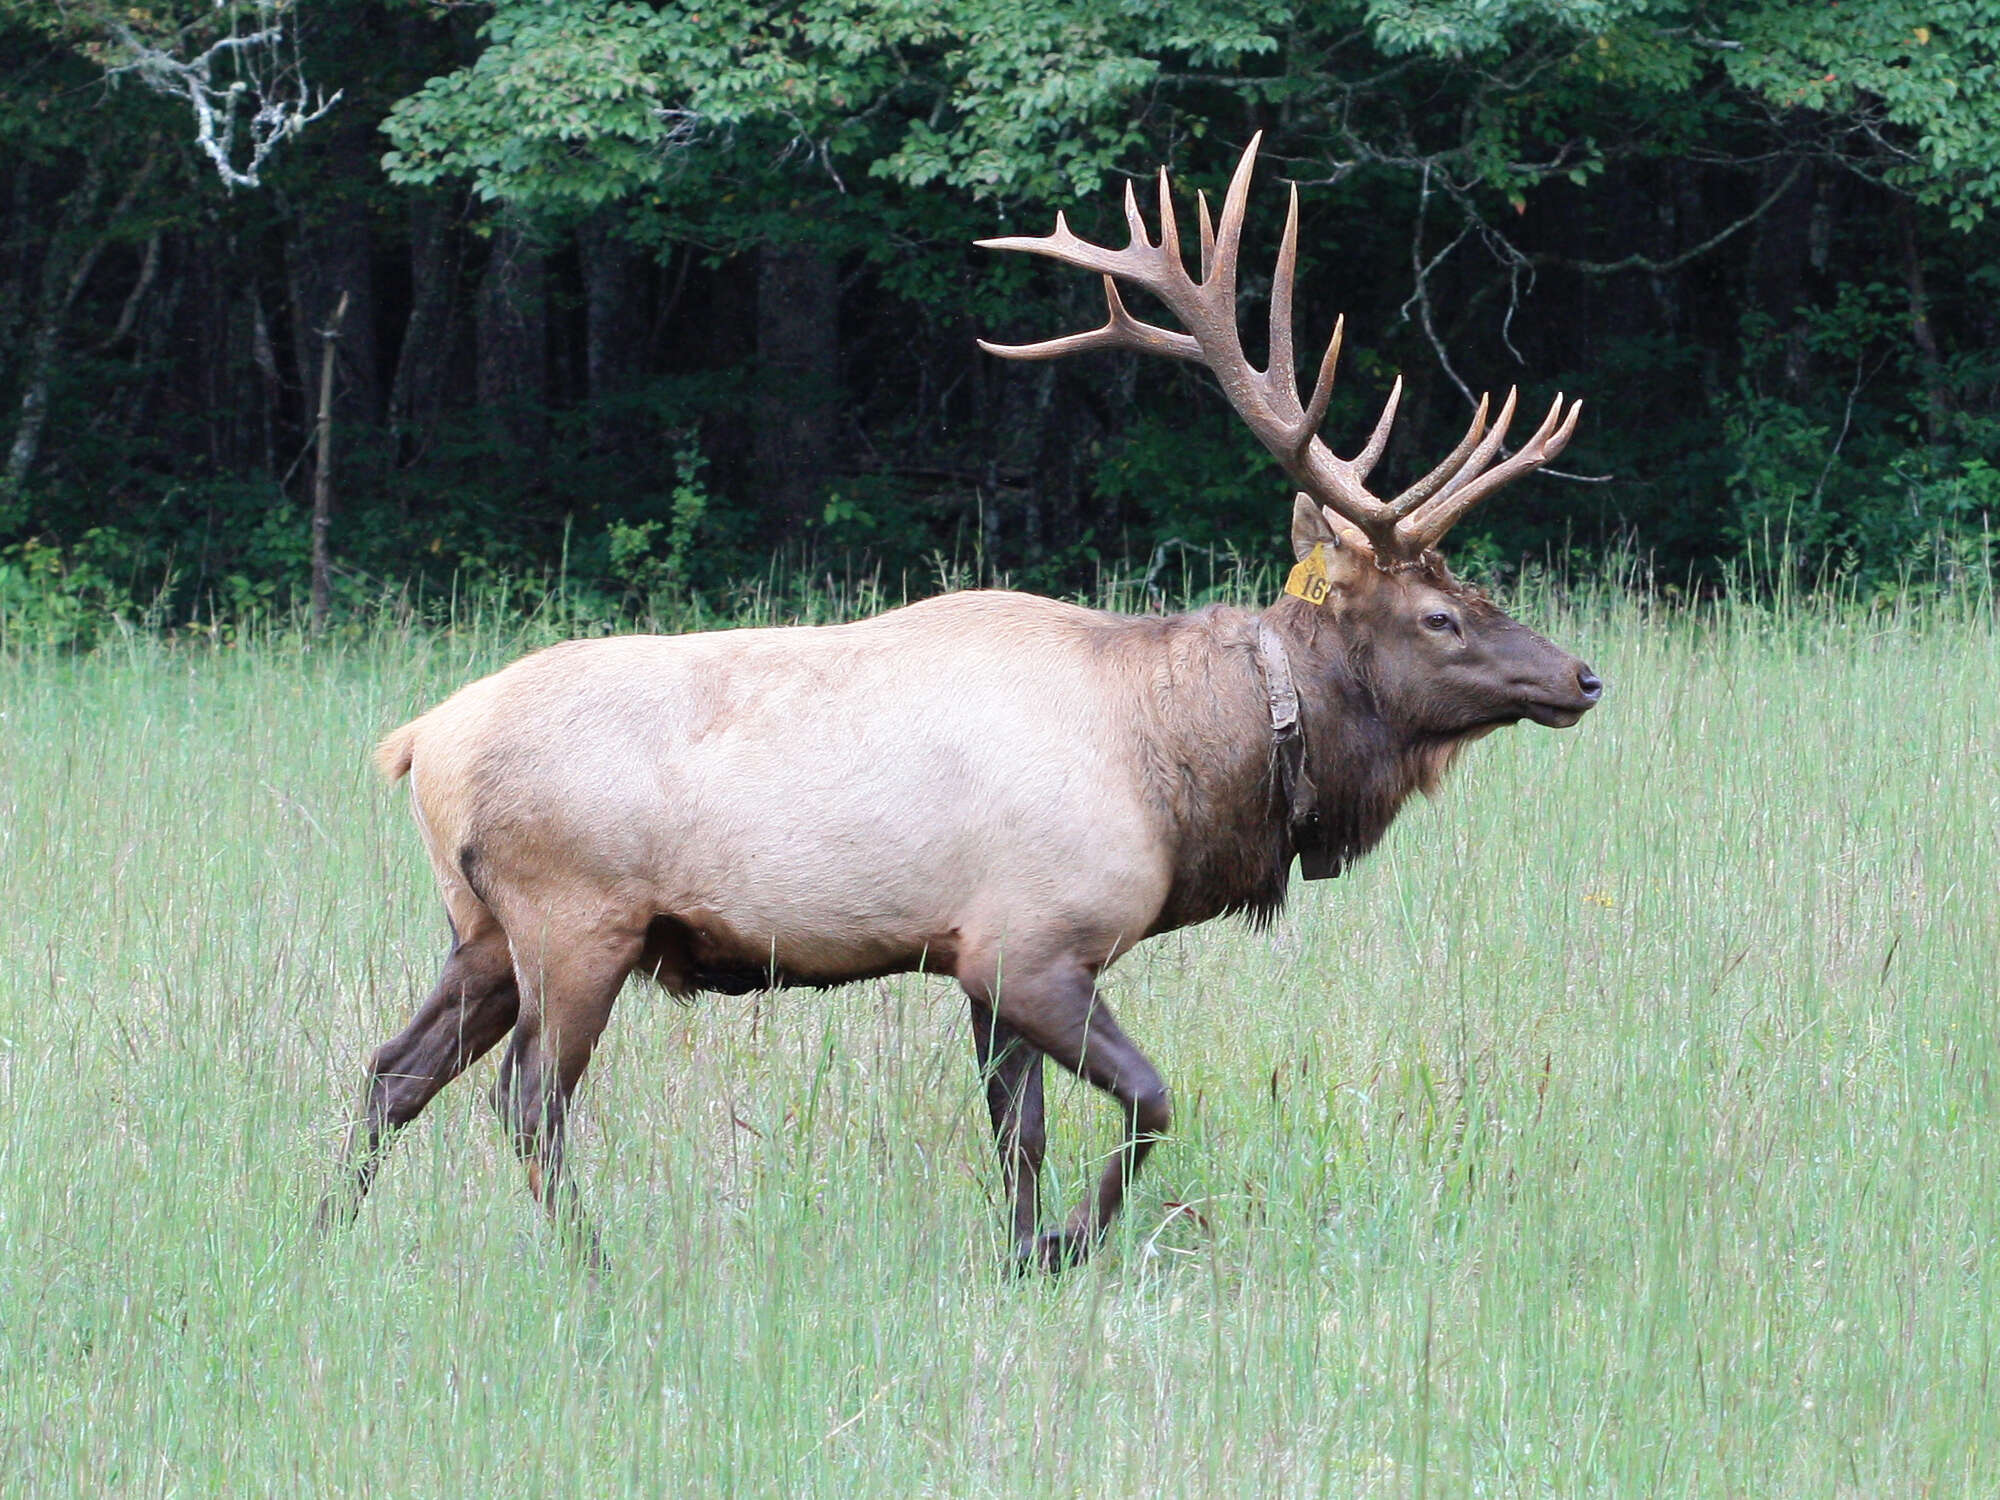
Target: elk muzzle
1582, 691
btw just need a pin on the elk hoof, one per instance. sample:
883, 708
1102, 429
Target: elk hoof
1052, 1251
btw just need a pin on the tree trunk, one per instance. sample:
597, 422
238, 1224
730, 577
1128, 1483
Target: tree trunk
612, 327
265, 357
62, 280
417, 392
14, 289
798, 361
1779, 259
1937, 390
322, 511
512, 331
330, 257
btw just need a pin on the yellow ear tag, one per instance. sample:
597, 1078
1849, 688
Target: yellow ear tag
1309, 580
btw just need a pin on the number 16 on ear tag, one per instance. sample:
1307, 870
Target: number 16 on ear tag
1309, 580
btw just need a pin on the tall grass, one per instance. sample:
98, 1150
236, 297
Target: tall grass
1623, 1126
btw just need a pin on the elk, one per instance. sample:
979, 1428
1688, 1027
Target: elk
989, 785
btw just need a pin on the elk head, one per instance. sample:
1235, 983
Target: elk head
1436, 660
1440, 660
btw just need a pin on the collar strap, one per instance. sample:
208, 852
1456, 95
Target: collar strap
1280, 692
1288, 754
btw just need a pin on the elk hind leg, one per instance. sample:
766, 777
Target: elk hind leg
567, 993
1012, 1069
473, 1004
1061, 1013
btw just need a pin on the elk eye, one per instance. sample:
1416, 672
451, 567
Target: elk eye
1438, 620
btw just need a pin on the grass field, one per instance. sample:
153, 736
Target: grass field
1624, 1126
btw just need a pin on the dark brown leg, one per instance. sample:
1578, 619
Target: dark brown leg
572, 993
473, 1005
1061, 1013
1013, 1073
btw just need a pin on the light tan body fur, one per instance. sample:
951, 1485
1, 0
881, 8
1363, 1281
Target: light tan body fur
978, 775
996, 786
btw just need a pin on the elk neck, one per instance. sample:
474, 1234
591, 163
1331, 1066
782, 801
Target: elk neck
1209, 758
1195, 699
1362, 765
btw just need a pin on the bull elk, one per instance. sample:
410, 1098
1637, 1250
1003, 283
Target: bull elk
1002, 788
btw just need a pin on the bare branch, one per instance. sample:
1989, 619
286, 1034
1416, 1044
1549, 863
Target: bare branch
1675, 262
1420, 271
262, 101
149, 267
1861, 378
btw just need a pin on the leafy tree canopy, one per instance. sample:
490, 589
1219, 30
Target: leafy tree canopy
576, 103
581, 101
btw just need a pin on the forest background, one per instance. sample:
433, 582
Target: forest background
651, 294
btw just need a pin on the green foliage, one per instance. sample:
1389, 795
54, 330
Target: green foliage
579, 102
1185, 477
1465, 28
1928, 77
632, 560
1842, 483
1499, 144
57, 596
1045, 99
1923, 83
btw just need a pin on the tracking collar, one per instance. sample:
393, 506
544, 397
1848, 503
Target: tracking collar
1288, 752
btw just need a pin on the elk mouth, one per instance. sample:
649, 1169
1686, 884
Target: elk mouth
1560, 715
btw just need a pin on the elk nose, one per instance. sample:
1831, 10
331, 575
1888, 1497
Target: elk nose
1589, 684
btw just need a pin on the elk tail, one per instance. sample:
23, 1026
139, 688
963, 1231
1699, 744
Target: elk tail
394, 754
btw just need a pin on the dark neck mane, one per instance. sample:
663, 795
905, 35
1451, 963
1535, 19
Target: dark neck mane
1212, 772
1362, 767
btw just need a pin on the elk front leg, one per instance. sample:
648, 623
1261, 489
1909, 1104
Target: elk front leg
474, 1003
1061, 1013
1012, 1070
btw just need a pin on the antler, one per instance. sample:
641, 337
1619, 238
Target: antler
1268, 399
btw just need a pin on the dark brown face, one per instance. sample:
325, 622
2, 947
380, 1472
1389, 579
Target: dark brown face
1444, 661
1441, 661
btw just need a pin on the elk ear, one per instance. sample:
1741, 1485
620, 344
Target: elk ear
1314, 525
1311, 526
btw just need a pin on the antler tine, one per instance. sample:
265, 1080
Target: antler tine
1120, 331
1482, 455
1284, 376
1170, 231
1428, 526
1337, 482
1229, 234
1268, 399
1207, 234
1371, 453
1429, 485
1322, 386
1142, 262
1063, 245
1136, 221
